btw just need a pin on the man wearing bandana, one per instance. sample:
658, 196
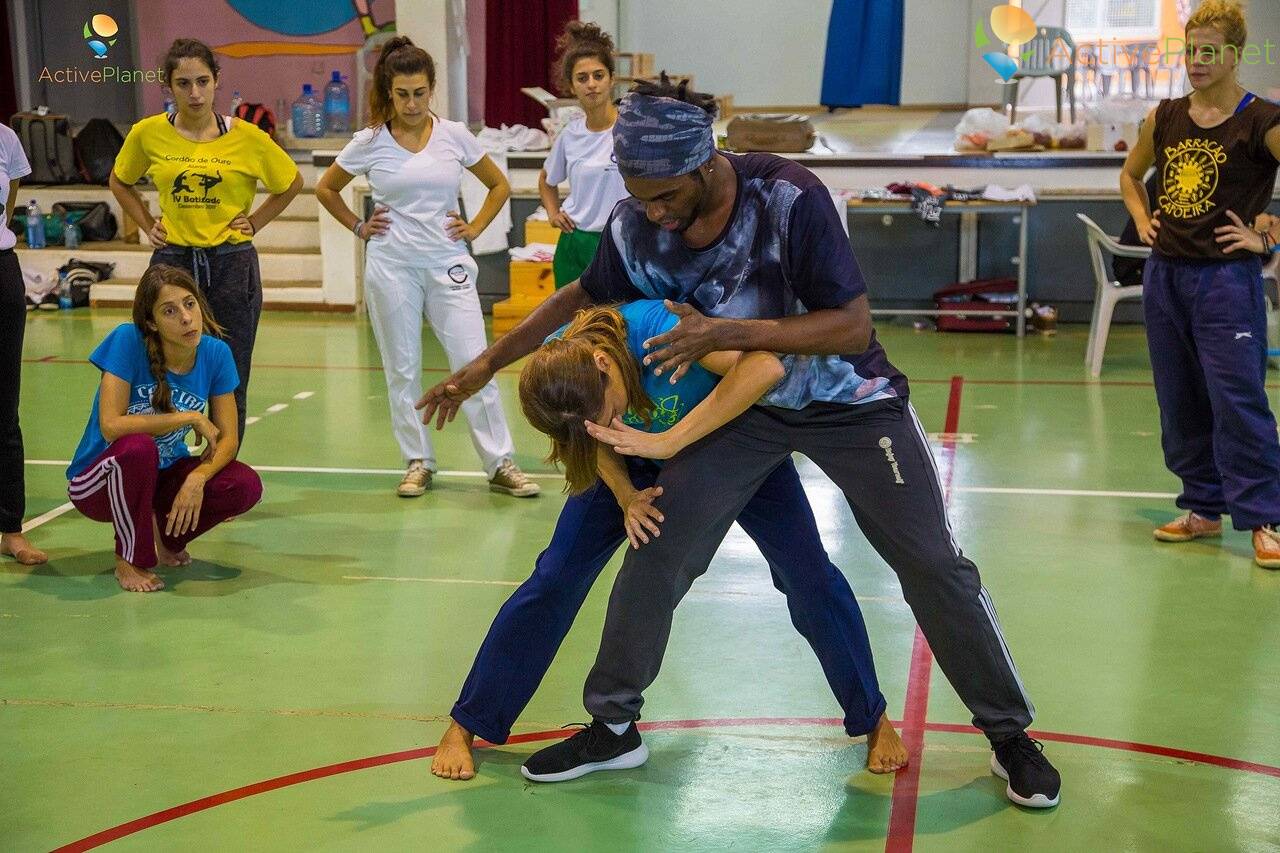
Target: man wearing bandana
750, 252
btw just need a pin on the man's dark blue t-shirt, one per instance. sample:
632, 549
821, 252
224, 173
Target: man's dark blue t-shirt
783, 252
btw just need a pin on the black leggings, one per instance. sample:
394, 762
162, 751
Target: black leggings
13, 318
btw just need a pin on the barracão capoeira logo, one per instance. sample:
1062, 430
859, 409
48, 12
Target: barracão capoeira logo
1190, 177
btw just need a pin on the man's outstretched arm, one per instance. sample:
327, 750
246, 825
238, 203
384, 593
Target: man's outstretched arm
443, 400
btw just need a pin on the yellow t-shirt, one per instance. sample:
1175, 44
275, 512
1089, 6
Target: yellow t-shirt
204, 185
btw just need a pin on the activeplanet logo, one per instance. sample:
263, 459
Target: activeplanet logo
1012, 26
100, 33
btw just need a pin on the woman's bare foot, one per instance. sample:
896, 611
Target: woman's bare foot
885, 752
171, 559
134, 579
16, 545
453, 754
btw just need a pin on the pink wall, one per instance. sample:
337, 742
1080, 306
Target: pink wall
269, 80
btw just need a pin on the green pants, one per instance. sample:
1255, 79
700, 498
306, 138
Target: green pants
574, 251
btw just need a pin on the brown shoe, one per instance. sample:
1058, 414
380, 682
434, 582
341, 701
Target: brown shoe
417, 479
1190, 526
512, 481
1266, 547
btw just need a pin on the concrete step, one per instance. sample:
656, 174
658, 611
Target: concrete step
303, 207
132, 259
306, 295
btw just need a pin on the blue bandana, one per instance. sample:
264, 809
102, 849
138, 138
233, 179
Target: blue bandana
660, 137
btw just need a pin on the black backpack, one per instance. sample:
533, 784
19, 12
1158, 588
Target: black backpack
95, 219
46, 140
96, 147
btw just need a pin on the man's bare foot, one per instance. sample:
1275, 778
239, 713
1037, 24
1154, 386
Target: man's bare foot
885, 752
134, 579
16, 545
453, 754
171, 559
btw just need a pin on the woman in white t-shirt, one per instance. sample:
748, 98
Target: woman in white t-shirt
416, 262
582, 152
13, 318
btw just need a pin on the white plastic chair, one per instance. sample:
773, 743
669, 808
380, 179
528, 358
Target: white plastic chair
1109, 291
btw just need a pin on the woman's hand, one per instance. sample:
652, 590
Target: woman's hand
460, 229
244, 225
1237, 236
1148, 234
377, 225
562, 221
208, 431
184, 515
634, 442
157, 234
640, 517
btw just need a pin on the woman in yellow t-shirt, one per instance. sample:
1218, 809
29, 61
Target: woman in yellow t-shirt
206, 168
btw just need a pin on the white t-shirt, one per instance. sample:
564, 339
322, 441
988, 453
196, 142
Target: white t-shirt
419, 189
13, 165
586, 158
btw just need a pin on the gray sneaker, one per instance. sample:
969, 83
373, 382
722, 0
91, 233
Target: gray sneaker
513, 481
417, 479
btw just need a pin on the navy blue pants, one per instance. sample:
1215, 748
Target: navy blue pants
1207, 333
532, 623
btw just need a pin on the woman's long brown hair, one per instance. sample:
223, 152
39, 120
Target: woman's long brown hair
144, 306
561, 388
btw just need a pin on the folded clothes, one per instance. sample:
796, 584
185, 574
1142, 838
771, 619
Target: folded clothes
539, 252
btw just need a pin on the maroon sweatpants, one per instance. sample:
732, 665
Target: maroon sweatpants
126, 487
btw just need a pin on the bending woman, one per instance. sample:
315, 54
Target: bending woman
593, 373
207, 167
417, 263
132, 467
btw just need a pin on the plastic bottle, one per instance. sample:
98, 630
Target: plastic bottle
337, 106
304, 115
236, 101
71, 234
317, 114
64, 291
35, 226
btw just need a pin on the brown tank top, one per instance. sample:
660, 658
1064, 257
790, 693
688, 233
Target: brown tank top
1203, 173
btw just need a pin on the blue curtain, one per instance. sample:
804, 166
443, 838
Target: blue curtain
864, 53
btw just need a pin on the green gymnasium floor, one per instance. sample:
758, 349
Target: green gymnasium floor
334, 624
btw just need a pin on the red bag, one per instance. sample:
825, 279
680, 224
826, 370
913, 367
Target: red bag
998, 294
259, 115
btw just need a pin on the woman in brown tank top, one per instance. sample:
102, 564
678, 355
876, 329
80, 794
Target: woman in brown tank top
1216, 153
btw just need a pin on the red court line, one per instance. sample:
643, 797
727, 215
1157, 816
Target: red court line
906, 784
205, 803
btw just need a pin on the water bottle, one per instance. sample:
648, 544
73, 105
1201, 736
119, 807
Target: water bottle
71, 234
337, 106
35, 226
236, 101
64, 290
304, 122
316, 115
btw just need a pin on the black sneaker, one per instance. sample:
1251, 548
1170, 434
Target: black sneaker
1033, 781
594, 748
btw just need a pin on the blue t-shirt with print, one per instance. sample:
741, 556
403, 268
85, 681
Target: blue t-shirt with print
783, 252
647, 318
123, 354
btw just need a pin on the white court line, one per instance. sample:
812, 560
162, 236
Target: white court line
250, 421
48, 516
431, 580
277, 407
975, 490
1063, 493
302, 395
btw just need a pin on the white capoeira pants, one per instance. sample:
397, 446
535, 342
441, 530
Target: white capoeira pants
398, 296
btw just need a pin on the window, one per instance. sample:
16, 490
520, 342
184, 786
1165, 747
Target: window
1090, 20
